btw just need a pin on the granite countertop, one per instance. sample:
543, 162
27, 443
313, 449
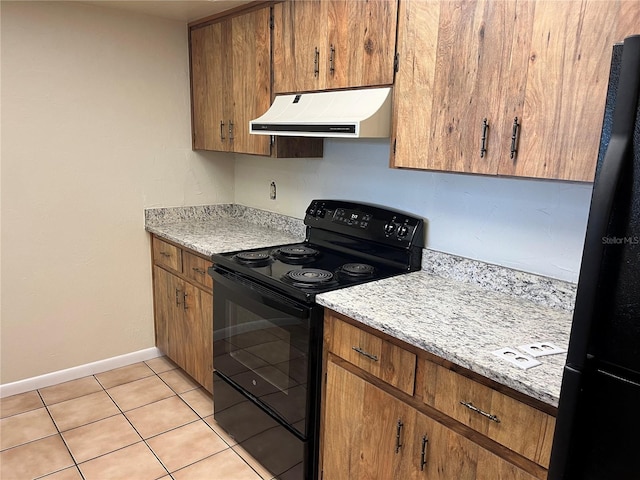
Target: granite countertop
458, 309
223, 228
462, 323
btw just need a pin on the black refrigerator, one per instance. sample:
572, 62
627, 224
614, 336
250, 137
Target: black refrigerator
597, 434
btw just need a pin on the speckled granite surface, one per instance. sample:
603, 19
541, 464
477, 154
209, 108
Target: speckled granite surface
213, 229
462, 323
541, 290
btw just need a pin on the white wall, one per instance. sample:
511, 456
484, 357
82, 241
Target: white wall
529, 225
95, 127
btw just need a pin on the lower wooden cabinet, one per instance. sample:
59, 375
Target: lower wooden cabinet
183, 315
370, 434
372, 429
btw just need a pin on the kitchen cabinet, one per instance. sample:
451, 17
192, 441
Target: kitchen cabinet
376, 426
372, 434
230, 62
499, 88
183, 303
230, 75
330, 44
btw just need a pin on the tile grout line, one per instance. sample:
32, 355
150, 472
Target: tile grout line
64, 442
200, 418
133, 426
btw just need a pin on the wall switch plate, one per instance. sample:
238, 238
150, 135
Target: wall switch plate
516, 358
540, 349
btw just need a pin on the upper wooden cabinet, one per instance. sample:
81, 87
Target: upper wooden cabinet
502, 88
231, 82
330, 44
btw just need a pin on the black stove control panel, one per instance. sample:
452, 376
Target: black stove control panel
366, 221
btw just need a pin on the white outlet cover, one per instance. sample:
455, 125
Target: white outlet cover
540, 349
516, 358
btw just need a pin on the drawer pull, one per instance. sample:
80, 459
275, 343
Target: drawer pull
198, 270
165, 254
178, 292
184, 301
366, 354
398, 431
423, 454
471, 406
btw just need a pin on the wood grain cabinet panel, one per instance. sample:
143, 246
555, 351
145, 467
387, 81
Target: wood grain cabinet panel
370, 430
383, 359
515, 425
167, 255
231, 82
370, 434
196, 269
329, 44
500, 88
183, 310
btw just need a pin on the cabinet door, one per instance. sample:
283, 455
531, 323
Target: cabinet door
413, 91
566, 86
435, 452
169, 291
360, 43
164, 307
299, 31
360, 428
195, 335
210, 84
251, 94
467, 74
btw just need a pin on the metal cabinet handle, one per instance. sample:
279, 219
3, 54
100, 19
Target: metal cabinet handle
221, 130
366, 354
483, 147
165, 254
423, 453
398, 431
514, 138
332, 54
178, 292
316, 63
198, 270
184, 301
472, 407
230, 130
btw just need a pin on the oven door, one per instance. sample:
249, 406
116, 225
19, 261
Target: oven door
268, 346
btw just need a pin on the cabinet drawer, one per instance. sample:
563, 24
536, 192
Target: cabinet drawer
387, 361
514, 424
167, 255
196, 269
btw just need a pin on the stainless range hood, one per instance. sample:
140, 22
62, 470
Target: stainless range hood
362, 113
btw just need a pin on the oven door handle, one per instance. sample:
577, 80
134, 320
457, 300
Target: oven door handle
257, 292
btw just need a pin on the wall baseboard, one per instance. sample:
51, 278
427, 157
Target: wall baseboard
80, 371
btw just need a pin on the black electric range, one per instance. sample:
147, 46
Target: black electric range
268, 329
347, 244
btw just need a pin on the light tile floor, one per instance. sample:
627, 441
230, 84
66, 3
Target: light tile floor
148, 420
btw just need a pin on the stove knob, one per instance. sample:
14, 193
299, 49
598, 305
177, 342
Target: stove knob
320, 212
402, 231
389, 228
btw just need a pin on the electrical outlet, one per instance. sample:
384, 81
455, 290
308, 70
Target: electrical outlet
540, 349
516, 358
272, 191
